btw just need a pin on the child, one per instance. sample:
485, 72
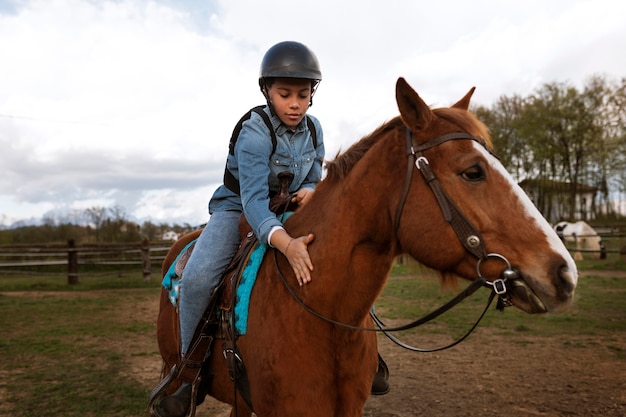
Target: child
288, 79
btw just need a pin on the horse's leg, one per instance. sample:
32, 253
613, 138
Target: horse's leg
300, 386
358, 363
168, 336
579, 255
595, 244
307, 372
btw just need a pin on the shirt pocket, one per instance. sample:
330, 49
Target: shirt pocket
279, 163
306, 161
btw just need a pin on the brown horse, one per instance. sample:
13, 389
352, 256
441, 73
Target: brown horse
368, 210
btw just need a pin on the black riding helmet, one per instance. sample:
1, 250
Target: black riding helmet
289, 59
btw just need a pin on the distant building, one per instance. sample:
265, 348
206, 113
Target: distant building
552, 199
170, 235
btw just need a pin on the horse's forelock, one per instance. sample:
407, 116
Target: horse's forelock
466, 121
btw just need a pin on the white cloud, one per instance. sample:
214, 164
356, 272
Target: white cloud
133, 101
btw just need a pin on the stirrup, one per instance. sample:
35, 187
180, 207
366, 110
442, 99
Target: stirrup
380, 384
159, 390
161, 387
181, 403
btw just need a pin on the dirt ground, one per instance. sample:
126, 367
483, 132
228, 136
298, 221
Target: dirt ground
486, 375
489, 374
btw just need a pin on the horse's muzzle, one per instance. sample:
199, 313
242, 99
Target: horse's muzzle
523, 297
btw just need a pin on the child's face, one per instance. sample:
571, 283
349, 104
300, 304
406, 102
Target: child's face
290, 97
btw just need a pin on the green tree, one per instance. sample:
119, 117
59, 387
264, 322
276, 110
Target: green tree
503, 120
562, 135
606, 101
96, 216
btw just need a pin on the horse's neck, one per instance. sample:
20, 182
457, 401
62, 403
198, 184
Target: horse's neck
355, 243
351, 256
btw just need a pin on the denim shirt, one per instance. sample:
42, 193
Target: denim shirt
257, 169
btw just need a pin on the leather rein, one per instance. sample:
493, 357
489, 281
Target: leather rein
468, 235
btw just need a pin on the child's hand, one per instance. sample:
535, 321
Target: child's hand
302, 196
297, 253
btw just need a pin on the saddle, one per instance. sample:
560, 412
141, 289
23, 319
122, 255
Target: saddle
217, 321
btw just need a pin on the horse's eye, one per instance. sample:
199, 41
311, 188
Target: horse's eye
474, 173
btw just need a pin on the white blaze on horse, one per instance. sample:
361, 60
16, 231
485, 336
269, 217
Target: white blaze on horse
585, 238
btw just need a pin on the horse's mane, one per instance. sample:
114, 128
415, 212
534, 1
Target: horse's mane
339, 167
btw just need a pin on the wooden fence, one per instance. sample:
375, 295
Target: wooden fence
40, 259
143, 256
613, 241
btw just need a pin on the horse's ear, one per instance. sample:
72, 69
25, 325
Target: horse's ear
415, 114
463, 103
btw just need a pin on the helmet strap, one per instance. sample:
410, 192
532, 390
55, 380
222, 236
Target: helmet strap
263, 88
271, 106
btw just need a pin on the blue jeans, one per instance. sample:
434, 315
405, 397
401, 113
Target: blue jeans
212, 253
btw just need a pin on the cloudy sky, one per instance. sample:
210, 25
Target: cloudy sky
130, 103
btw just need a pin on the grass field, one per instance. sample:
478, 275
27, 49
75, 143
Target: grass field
65, 350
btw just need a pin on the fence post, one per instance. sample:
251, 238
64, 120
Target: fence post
145, 259
72, 262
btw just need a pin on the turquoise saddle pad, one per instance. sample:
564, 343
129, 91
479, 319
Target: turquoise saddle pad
171, 282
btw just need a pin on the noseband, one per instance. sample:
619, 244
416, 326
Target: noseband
468, 235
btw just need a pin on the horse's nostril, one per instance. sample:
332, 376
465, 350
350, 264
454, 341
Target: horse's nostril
566, 281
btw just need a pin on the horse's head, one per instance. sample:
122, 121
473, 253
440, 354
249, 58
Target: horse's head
482, 212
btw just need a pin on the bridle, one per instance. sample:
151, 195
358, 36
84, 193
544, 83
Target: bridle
468, 235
